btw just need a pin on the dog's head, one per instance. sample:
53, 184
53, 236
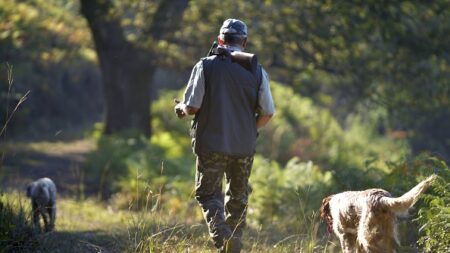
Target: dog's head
29, 189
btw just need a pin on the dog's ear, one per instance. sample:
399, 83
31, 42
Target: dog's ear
325, 213
29, 190
325, 208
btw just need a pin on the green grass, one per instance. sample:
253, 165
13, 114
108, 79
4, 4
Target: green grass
80, 226
92, 226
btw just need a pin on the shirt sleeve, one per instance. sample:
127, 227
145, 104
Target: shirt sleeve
195, 90
265, 96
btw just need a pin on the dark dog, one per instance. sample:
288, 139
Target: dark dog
43, 202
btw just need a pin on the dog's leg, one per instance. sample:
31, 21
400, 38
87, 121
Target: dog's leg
43, 212
35, 211
52, 214
360, 248
348, 242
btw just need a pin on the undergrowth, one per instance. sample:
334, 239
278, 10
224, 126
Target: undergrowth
16, 229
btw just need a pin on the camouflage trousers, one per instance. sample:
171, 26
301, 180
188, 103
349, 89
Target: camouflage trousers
225, 216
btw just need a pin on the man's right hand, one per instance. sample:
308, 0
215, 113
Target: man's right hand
182, 109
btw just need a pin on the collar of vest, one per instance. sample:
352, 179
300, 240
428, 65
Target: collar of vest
246, 60
231, 48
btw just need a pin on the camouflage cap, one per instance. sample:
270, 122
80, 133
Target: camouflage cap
234, 26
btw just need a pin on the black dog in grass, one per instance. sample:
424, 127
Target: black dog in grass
43, 201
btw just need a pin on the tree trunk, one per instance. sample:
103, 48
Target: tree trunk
127, 88
127, 70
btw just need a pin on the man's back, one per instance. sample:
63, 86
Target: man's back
226, 121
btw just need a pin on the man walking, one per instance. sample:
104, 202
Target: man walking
230, 103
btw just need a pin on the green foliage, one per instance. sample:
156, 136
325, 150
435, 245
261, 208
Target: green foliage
157, 173
355, 48
302, 129
293, 191
164, 119
346, 57
433, 207
16, 230
349, 57
49, 48
434, 217
136, 166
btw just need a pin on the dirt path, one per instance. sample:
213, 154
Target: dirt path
23, 162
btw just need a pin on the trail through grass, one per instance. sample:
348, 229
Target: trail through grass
85, 224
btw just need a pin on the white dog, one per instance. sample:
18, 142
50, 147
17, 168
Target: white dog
43, 201
364, 221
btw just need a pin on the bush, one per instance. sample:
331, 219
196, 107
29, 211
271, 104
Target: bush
430, 228
434, 217
133, 164
355, 155
145, 171
286, 195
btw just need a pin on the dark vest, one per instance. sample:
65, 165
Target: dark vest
226, 120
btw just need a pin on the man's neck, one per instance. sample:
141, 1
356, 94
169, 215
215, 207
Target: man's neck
232, 48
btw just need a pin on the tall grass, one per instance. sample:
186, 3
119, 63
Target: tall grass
281, 218
16, 230
153, 228
9, 115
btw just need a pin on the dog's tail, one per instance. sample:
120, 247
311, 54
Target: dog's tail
407, 200
325, 214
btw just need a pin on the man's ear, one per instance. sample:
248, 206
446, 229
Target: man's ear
220, 40
244, 43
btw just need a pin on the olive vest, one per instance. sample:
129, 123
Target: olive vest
226, 121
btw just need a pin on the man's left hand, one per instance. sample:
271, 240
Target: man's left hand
179, 109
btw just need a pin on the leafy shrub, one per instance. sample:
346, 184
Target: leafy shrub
286, 195
430, 229
132, 164
145, 171
356, 155
434, 217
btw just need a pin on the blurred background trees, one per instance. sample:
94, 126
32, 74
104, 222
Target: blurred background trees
127, 62
51, 54
352, 58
